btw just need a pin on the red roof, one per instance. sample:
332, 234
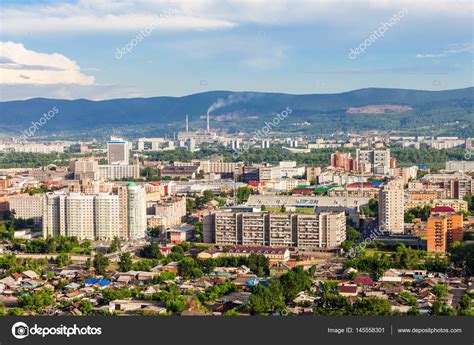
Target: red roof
363, 281
155, 183
442, 209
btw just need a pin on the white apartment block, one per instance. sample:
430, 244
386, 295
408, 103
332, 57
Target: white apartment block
107, 216
460, 165
117, 172
27, 207
33, 148
80, 216
391, 207
136, 211
102, 216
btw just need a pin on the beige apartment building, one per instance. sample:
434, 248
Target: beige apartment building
391, 207
166, 213
326, 230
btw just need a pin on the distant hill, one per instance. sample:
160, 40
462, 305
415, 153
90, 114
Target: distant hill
329, 110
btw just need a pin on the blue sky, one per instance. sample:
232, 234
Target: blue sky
68, 49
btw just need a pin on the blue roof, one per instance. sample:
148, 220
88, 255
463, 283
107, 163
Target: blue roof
376, 183
101, 282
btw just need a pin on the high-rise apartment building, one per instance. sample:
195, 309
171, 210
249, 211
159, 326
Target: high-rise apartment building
325, 230
84, 169
27, 207
101, 216
391, 207
80, 216
373, 161
443, 229
107, 216
136, 211
456, 186
118, 151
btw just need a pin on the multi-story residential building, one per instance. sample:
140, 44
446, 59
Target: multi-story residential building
54, 214
456, 186
80, 216
391, 207
102, 216
373, 161
118, 151
136, 211
349, 205
254, 228
165, 213
117, 171
285, 169
344, 161
465, 166
219, 166
443, 229
312, 173
424, 194
325, 230
456, 204
107, 216
84, 169
281, 230
27, 207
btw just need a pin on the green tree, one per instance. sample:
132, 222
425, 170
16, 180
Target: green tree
295, 281
333, 305
371, 307
63, 259
37, 300
86, 307
464, 306
440, 308
115, 245
440, 291
267, 300
259, 264
125, 263
243, 194
151, 251
101, 262
187, 268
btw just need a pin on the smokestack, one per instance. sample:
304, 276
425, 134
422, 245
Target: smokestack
187, 128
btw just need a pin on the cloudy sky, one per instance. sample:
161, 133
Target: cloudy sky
78, 49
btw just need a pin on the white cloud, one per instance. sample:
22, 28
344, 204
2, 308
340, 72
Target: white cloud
122, 15
19, 65
452, 50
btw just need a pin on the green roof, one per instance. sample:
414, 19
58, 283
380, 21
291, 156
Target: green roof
132, 184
